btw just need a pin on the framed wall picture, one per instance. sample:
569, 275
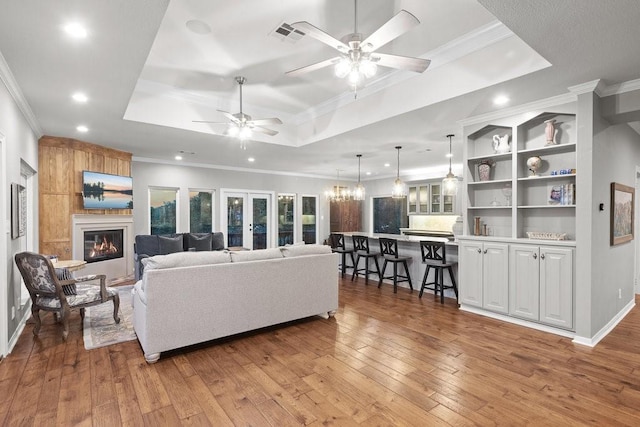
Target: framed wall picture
18, 210
622, 213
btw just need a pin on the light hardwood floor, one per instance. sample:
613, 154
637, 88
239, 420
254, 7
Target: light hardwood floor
385, 359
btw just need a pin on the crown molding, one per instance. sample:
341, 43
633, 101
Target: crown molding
621, 88
592, 86
519, 109
16, 93
227, 168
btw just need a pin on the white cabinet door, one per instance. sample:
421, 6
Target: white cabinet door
470, 273
556, 286
524, 282
495, 277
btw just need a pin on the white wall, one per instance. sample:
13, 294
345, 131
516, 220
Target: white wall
146, 174
20, 144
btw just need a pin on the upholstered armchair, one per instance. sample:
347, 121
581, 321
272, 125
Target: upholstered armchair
48, 293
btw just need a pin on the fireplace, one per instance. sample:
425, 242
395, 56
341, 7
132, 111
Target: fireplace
102, 245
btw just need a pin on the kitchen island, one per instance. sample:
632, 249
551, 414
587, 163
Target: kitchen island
410, 245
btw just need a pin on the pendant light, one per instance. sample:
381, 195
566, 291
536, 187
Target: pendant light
336, 194
358, 192
450, 182
399, 190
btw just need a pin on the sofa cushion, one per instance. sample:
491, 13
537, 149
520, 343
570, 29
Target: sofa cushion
242, 256
169, 245
298, 250
147, 244
199, 241
185, 259
217, 241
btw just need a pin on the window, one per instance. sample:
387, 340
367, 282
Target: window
309, 213
163, 210
286, 215
389, 215
201, 211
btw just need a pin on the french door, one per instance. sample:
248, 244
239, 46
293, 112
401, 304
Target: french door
248, 219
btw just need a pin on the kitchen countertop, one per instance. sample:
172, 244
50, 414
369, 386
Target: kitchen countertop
401, 237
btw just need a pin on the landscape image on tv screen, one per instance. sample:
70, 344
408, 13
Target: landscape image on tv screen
105, 191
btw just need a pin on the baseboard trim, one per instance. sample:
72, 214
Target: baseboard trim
516, 321
591, 342
23, 322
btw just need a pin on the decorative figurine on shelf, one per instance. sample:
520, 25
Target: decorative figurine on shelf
501, 144
484, 169
534, 163
550, 132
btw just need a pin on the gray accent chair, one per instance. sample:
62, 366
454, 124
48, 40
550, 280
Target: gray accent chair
47, 293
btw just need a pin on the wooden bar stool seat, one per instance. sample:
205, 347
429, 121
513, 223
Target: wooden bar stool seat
336, 240
361, 248
389, 252
434, 255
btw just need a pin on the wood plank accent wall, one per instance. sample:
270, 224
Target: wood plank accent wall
61, 162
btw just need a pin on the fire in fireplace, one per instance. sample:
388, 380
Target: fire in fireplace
103, 245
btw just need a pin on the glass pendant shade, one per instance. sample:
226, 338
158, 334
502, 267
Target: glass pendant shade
358, 191
450, 182
399, 189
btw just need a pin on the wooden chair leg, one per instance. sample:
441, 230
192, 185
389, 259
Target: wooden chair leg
441, 285
424, 281
355, 268
116, 306
65, 324
381, 275
36, 317
406, 270
395, 277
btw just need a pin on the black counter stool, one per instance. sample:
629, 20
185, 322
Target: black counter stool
389, 251
336, 240
434, 255
361, 248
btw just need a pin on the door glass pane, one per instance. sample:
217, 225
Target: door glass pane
259, 223
200, 211
309, 219
389, 215
235, 221
163, 211
285, 219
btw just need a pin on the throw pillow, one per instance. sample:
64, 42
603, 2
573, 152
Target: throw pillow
217, 241
201, 242
260, 254
299, 250
169, 245
65, 274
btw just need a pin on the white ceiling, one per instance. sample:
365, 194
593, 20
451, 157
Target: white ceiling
148, 76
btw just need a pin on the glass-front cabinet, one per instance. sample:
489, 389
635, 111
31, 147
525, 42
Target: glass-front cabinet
418, 200
426, 198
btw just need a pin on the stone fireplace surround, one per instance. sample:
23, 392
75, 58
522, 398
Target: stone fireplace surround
114, 269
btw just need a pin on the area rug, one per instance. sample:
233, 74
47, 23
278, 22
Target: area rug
99, 328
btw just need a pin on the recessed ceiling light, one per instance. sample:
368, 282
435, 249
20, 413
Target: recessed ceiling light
251, 159
386, 165
367, 173
500, 100
448, 155
80, 97
82, 128
178, 157
76, 30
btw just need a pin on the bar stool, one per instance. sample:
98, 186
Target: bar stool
434, 255
389, 251
336, 240
361, 248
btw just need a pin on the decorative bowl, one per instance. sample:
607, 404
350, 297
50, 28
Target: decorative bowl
546, 235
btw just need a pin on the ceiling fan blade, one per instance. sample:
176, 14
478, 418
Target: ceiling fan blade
314, 67
261, 122
211, 123
264, 130
320, 35
401, 22
229, 116
401, 62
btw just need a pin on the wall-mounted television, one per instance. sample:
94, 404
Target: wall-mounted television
106, 191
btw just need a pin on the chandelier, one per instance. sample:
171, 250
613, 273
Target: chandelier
337, 193
450, 182
399, 190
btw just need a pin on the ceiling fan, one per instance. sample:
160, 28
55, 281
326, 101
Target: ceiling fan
358, 58
240, 124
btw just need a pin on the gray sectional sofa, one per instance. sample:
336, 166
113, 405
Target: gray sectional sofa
192, 297
146, 246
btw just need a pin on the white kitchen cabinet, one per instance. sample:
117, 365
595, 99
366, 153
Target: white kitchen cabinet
484, 275
541, 284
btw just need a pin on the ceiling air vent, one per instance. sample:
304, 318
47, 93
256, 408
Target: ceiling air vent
287, 32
